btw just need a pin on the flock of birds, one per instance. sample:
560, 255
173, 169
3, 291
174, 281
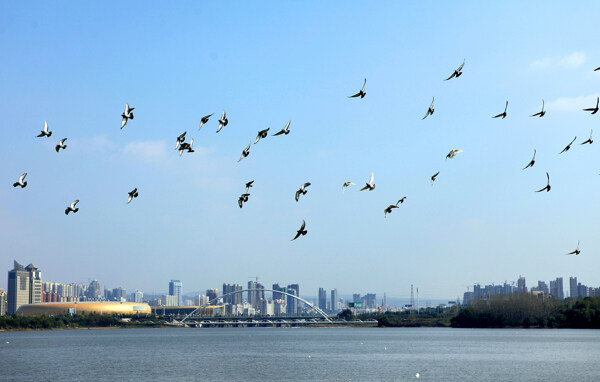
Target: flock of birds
182, 146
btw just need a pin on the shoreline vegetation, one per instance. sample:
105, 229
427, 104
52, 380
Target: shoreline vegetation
518, 310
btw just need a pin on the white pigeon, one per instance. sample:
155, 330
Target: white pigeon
127, 114
369, 186
45, 132
21, 181
72, 208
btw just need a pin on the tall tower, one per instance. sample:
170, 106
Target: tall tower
334, 300
573, 292
322, 299
412, 297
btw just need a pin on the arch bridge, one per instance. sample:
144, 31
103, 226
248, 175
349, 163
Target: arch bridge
309, 304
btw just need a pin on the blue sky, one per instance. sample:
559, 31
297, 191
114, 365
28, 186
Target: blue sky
76, 64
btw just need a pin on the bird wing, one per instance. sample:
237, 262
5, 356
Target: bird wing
505, 106
123, 122
129, 198
532, 159
303, 225
22, 178
460, 67
287, 125
432, 101
536, 114
595, 70
572, 141
223, 115
355, 95
365, 84
453, 74
126, 109
542, 105
134, 190
248, 147
297, 197
297, 235
306, 185
371, 180
364, 188
548, 176
240, 202
46, 126
279, 133
74, 203
426, 114
499, 115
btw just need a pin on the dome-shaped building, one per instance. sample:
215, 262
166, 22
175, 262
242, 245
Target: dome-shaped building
56, 308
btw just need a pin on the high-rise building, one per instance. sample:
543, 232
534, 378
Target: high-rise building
24, 287
292, 303
573, 287
94, 290
334, 300
3, 302
356, 297
543, 287
170, 300
521, 285
322, 299
296, 287
277, 296
212, 294
582, 291
175, 290
200, 300
371, 300
137, 296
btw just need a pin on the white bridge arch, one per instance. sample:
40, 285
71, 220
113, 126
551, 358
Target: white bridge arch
312, 306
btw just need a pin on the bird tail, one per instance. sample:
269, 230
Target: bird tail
131, 115
75, 210
49, 134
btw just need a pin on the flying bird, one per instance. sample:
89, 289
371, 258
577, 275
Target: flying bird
541, 113
547, 188
203, 120
223, 121
430, 110
45, 132
503, 115
133, 194
401, 201
186, 146
72, 208
568, 146
248, 185
243, 198
452, 153
180, 140
433, 178
595, 70
346, 184
576, 251
61, 144
285, 130
362, 93
457, 73
127, 114
532, 161
388, 210
590, 140
261, 134
301, 231
301, 191
594, 110
246, 152
21, 182
371, 185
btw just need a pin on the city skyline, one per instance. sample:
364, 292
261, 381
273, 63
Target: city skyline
268, 64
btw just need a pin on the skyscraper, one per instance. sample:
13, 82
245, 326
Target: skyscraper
322, 299
573, 287
277, 296
175, 290
334, 300
556, 288
137, 296
295, 287
521, 285
212, 294
3, 302
292, 303
24, 287
94, 290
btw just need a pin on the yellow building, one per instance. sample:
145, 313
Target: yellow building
56, 308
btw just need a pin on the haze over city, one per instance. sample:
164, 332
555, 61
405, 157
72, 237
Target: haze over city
76, 65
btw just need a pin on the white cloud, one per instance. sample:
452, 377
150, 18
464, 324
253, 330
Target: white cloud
572, 61
573, 103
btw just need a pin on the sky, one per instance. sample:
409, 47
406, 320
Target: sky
76, 64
